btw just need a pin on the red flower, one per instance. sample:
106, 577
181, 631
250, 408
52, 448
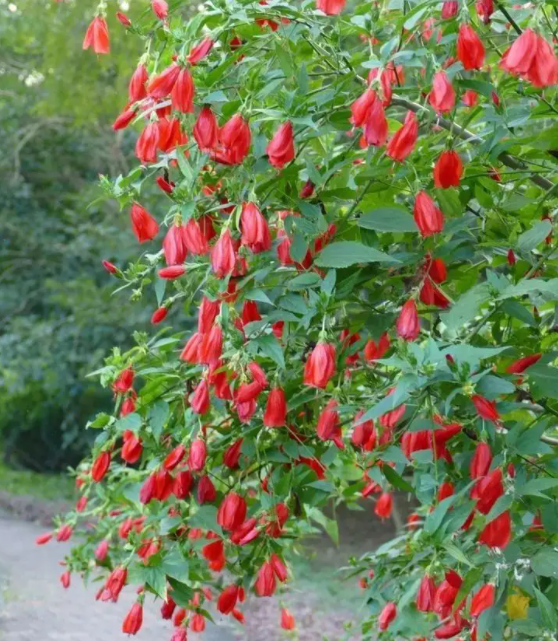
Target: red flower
168, 608
276, 408
101, 551
488, 490
160, 9
197, 623
449, 9
234, 141
193, 237
480, 463
331, 7
328, 422
123, 19
448, 170
387, 615
436, 269
446, 593
428, 217
124, 119
384, 506
376, 127
134, 619
255, 231
232, 454
404, 139
442, 96
163, 84
360, 108
147, 143
200, 51
174, 457
196, 457
208, 312
227, 599
265, 582
520, 365
280, 150
451, 628
136, 88
485, 9
320, 366
445, 490
100, 466
114, 584
206, 130
497, 533
470, 50
206, 491
170, 273
431, 295
426, 594
482, 600
364, 433
373, 351
182, 484
200, 401
533, 58
211, 346
131, 448
486, 409
279, 568
174, 248
124, 381
287, 620
182, 94
232, 512
408, 324
223, 255
97, 36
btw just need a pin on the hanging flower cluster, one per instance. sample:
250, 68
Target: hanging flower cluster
349, 257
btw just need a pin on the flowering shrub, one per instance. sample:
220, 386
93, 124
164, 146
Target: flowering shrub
357, 209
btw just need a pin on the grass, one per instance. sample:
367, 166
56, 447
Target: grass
42, 486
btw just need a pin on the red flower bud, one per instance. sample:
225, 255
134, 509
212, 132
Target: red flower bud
428, 217
200, 51
497, 533
384, 505
123, 19
404, 139
97, 36
197, 455
134, 619
255, 231
442, 96
227, 599
426, 594
131, 448
144, 226
486, 409
387, 615
482, 599
200, 401
232, 454
448, 170
170, 273
232, 512
206, 130
276, 408
265, 582
280, 150
223, 255
182, 484
320, 365
206, 491
408, 324
100, 466
182, 94
287, 619
330, 7
470, 50
520, 365
160, 9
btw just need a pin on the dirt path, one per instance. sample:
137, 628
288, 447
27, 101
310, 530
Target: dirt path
33, 604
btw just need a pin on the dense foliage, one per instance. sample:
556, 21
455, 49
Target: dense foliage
357, 203
55, 299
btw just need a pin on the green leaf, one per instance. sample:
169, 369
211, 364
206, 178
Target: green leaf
181, 593
536, 487
270, 346
435, 518
157, 417
545, 563
545, 379
457, 554
346, 253
467, 307
547, 610
206, 519
130, 422
395, 479
388, 219
534, 236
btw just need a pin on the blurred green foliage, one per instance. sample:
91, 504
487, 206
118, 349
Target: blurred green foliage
57, 316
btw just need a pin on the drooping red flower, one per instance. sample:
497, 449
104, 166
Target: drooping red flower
232, 454
470, 50
521, 364
497, 533
168, 608
426, 594
404, 139
442, 96
182, 484
197, 455
208, 312
131, 448
485, 9
360, 108
123, 19
373, 351
211, 346
446, 593
100, 466
174, 248
376, 126
276, 408
265, 581
134, 619
280, 149
172, 272
232, 512
182, 94
287, 620
148, 142
331, 7
162, 85
449, 9
532, 58
488, 490
384, 505
101, 551
214, 554
223, 255
448, 170
482, 599
387, 616
227, 599
206, 491
124, 381
408, 324
428, 218
320, 365
255, 230
486, 409
364, 433
432, 295
97, 36
234, 141
328, 422
206, 130
160, 9
200, 51
136, 87
480, 463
